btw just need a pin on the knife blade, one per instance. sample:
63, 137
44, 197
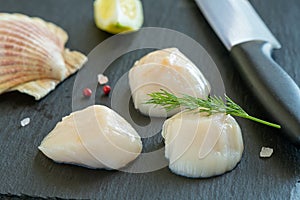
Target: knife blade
251, 43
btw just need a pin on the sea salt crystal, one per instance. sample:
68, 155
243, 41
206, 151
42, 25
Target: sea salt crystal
102, 79
266, 152
25, 121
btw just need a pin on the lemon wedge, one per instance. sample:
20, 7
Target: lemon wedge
117, 16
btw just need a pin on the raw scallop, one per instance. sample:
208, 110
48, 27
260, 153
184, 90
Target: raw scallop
202, 146
33, 59
166, 69
96, 137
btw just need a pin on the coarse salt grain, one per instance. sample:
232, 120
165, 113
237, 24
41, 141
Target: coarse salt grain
102, 79
25, 121
266, 152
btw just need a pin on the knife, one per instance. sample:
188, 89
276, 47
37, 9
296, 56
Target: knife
251, 44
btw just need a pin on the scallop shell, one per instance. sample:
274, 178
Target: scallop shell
33, 59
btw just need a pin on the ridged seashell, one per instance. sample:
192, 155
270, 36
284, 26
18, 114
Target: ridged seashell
166, 69
95, 137
33, 59
202, 146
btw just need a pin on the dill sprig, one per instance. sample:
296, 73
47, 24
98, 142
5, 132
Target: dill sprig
211, 105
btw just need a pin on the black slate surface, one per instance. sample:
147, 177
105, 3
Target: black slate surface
27, 173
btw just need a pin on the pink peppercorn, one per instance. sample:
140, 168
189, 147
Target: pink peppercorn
106, 89
87, 92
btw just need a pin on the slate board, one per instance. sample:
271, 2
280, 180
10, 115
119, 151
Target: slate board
25, 172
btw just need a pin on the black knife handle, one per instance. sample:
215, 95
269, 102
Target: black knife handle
275, 89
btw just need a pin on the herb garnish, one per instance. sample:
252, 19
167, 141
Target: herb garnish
209, 106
